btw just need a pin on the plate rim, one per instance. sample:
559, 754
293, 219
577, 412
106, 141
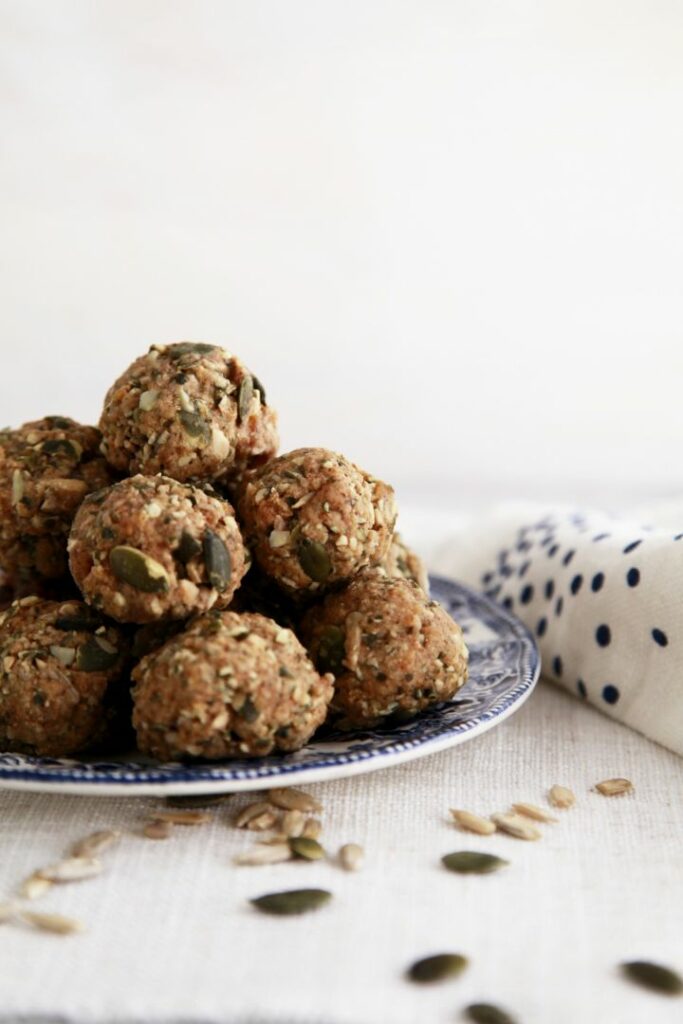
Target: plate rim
43, 779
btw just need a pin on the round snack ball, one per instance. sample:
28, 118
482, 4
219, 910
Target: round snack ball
189, 410
46, 469
60, 668
391, 649
229, 686
314, 519
403, 563
151, 548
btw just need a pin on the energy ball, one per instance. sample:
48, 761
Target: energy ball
314, 519
46, 469
151, 548
393, 652
402, 563
189, 410
229, 686
59, 664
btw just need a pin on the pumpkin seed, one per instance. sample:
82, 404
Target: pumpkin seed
138, 570
93, 657
314, 559
469, 862
437, 968
331, 650
199, 801
306, 849
186, 348
245, 396
195, 426
653, 976
486, 1013
248, 711
188, 548
614, 787
217, 561
295, 901
78, 622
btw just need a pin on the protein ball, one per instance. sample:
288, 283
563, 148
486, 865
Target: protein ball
392, 650
403, 563
229, 686
47, 467
59, 664
151, 548
314, 519
189, 410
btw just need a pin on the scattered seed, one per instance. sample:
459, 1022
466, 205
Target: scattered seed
198, 801
52, 922
515, 825
312, 829
486, 1013
295, 901
246, 393
274, 853
531, 811
351, 856
293, 823
262, 822
473, 822
437, 968
217, 561
614, 787
251, 811
8, 911
314, 559
306, 849
276, 839
71, 869
653, 976
178, 817
138, 570
95, 843
561, 797
157, 830
294, 799
35, 886
468, 862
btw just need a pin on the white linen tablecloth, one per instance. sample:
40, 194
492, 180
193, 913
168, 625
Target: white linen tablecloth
172, 938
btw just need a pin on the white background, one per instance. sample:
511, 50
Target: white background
447, 234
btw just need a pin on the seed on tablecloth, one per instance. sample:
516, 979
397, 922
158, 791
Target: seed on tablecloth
312, 829
71, 869
295, 901
34, 886
437, 967
293, 823
253, 810
653, 976
469, 862
96, 843
351, 856
262, 822
265, 854
473, 822
183, 817
306, 849
516, 825
294, 799
157, 830
614, 787
532, 811
486, 1013
561, 797
55, 923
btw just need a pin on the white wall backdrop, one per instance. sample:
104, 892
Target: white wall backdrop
448, 234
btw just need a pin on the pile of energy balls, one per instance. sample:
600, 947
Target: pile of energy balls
168, 580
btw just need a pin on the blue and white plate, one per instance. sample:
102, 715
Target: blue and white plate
504, 667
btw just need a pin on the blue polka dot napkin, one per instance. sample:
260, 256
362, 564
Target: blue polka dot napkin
602, 596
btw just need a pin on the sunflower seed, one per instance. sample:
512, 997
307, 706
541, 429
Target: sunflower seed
96, 843
246, 393
486, 1013
217, 560
34, 887
293, 823
265, 854
71, 869
258, 386
531, 811
306, 849
561, 797
468, 862
52, 922
614, 787
251, 811
17, 486
179, 817
93, 656
138, 570
473, 822
351, 856
653, 976
262, 822
312, 829
314, 559
199, 800
157, 830
295, 901
437, 968
294, 799
515, 825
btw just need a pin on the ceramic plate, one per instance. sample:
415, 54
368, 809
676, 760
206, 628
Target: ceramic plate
504, 667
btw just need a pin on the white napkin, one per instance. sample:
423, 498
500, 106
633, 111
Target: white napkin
602, 595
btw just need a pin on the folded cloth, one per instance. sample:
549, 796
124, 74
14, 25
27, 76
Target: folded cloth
602, 595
